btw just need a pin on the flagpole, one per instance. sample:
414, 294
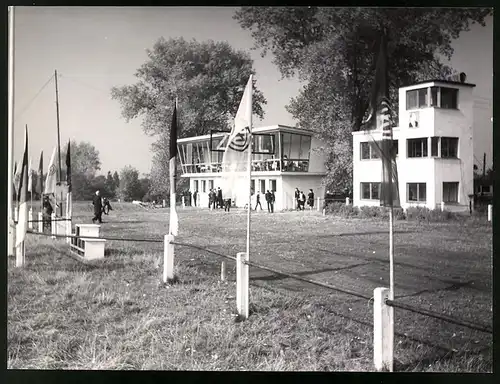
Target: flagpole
172, 183
249, 164
10, 144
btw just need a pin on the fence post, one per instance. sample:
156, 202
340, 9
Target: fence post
223, 274
40, 221
68, 230
168, 259
30, 218
324, 211
53, 230
242, 284
490, 212
183, 202
163, 203
442, 206
319, 201
383, 331
20, 254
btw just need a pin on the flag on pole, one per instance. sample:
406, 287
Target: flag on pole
380, 119
30, 178
68, 167
22, 223
17, 178
51, 180
39, 182
234, 178
174, 219
14, 196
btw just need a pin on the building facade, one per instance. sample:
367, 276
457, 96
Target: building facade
434, 144
287, 158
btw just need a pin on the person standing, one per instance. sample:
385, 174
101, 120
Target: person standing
227, 205
195, 196
257, 197
97, 202
268, 200
220, 201
310, 199
272, 198
297, 198
47, 213
302, 200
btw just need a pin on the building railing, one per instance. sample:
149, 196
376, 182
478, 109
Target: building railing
268, 165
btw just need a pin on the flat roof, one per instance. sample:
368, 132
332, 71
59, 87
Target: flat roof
269, 128
440, 81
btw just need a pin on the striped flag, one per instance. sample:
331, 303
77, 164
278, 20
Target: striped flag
51, 180
380, 118
22, 223
174, 219
234, 178
39, 183
68, 167
30, 178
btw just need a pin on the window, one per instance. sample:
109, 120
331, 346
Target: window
203, 186
252, 186
449, 147
416, 99
370, 191
450, 192
368, 151
295, 147
262, 185
416, 192
417, 147
210, 184
434, 146
272, 185
196, 185
434, 96
449, 98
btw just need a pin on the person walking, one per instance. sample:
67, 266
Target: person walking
220, 200
310, 199
97, 202
302, 201
297, 198
195, 196
272, 198
258, 204
227, 205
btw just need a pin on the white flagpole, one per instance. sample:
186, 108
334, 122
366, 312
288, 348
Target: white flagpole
391, 252
11, 242
249, 164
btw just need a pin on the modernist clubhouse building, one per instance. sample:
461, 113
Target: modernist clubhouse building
284, 158
434, 143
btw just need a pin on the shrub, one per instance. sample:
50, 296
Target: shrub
399, 214
430, 215
368, 212
342, 210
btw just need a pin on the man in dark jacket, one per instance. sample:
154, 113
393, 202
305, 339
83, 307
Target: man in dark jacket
195, 196
297, 198
257, 204
220, 201
97, 202
272, 198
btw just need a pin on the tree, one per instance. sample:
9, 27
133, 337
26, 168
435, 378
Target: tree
116, 181
110, 185
333, 50
207, 77
130, 187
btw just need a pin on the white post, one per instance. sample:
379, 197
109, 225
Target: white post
30, 219
53, 224
10, 136
168, 259
16, 214
347, 201
163, 203
40, 221
442, 206
324, 211
183, 202
490, 212
383, 331
20, 254
223, 274
242, 277
319, 200
68, 230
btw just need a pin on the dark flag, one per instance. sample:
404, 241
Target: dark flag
68, 167
380, 118
22, 198
174, 220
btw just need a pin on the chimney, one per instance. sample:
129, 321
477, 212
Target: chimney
463, 77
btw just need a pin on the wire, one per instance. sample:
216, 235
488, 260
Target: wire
33, 99
84, 84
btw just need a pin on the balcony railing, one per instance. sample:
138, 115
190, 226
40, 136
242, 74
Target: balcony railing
269, 165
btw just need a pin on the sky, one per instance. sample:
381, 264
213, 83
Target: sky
96, 48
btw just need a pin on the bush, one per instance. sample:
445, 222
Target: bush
399, 214
429, 215
367, 212
342, 210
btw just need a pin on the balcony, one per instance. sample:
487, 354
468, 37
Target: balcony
266, 165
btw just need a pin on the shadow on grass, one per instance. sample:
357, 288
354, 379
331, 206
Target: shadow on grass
361, 234
455, 286
305, 273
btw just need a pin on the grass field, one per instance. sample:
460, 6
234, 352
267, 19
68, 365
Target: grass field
115, 315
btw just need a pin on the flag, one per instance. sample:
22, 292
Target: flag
380, 118
30, 178
22, 223
234, 178
68, 167
17, 178
51, 180
174, 219
39, 183
14, 188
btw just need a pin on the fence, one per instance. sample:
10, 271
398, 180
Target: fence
383, 306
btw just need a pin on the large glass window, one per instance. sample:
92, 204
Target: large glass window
295, 151
416, 192
370, 191
449, 147
417, 147
449, 98
450, 192
434, 146
417, 98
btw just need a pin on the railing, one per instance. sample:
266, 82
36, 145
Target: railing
268, 165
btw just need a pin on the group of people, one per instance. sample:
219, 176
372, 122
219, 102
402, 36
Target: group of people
270, 199
101, 205
300, 199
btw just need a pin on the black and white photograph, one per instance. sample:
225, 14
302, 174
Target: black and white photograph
252, 188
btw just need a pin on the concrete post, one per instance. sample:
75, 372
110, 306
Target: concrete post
40, 222
490, 212
168, 259
30, 219
242, 277
383, 331
16, 214
319, 201
20, 255
53, 230
163, 203
347, 201
442, 206
183, 202
223, 273
68, 230
324, 211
